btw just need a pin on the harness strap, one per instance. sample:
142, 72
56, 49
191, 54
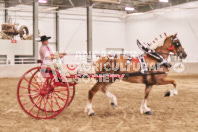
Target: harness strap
145, 78
143, 64
154, 54
144, 68
110, 65
115, 66
112, 60
103, 70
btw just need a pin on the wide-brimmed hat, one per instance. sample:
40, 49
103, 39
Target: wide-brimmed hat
44, 37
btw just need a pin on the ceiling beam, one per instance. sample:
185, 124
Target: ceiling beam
70, 1
139, 5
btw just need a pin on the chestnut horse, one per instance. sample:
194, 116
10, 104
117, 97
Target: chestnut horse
169, 44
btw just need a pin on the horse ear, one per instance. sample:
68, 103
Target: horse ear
175, 35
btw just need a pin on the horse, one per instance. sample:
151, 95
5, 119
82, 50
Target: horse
169, 44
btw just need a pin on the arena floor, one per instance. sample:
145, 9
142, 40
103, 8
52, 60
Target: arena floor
178, 113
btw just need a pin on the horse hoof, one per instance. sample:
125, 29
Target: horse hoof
148, 113
113, 104
167, 94
92, 114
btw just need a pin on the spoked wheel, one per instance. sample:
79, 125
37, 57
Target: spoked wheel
72, 93
41, 95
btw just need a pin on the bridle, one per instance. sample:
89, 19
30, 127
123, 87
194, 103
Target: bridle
175, 44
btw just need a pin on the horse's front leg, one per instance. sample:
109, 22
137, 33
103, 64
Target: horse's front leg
143, 108
171, 92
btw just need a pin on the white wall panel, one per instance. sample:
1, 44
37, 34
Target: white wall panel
20, 48
108, 32
72, 34
47, 25
147, 26
108, 35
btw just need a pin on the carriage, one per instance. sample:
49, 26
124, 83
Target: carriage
43, 92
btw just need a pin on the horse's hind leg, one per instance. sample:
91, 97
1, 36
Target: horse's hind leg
143, 107
109, 95
92, 92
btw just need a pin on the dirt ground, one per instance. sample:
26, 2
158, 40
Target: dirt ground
178, 113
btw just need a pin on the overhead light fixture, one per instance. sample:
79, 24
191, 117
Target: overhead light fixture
165, 1
42, 1
129, 9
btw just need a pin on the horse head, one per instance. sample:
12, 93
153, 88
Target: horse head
175, 46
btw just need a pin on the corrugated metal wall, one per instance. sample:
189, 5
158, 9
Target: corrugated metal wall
108, 28
107, 32
72, 33
147, 26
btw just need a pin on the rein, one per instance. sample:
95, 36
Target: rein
164, 53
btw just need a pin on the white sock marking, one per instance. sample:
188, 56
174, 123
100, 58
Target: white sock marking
173, 92
88, 108
112, 97
143, 107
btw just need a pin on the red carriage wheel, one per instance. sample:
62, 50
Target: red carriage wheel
72, 93
41, 95
35, 79
71, 67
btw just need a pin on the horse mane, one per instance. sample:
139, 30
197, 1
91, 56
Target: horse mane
158, 42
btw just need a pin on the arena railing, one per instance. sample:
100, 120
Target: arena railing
25, 60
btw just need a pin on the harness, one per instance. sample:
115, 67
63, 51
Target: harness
143, 72
154, 54
144, 68
112, 59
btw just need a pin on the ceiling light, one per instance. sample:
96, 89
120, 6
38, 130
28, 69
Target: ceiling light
42, 1
163, 1
129, 9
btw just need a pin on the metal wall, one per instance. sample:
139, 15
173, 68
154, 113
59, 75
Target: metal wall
146, 27
108, 32
108, 28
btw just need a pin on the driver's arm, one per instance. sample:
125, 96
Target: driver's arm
57, 55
